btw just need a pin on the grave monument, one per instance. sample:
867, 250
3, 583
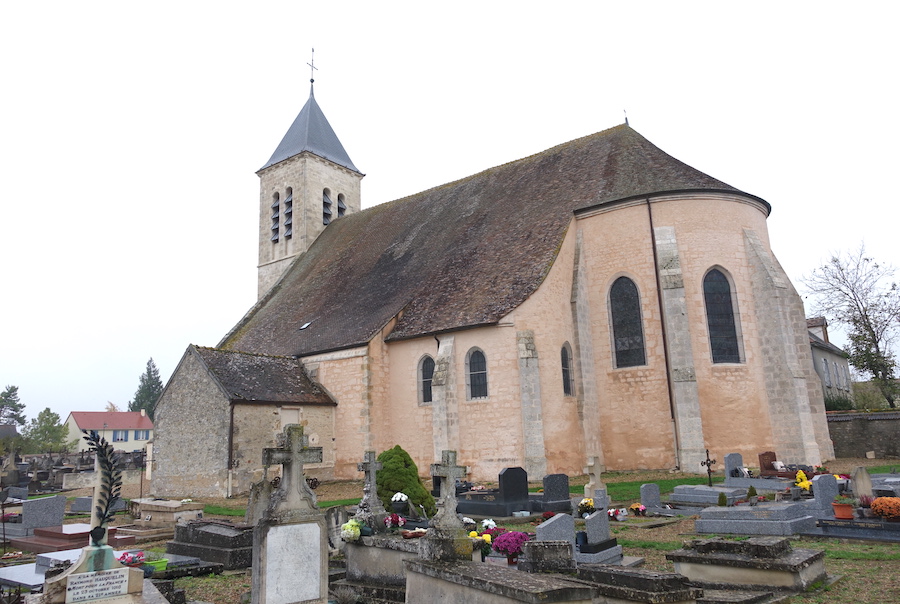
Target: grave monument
290, 545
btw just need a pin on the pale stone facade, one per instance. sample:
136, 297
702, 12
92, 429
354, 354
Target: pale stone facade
362, 339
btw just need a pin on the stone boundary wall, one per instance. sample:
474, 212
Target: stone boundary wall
853, 434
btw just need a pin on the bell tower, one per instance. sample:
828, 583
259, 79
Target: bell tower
308, 183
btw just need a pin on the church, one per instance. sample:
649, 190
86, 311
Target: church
598, 299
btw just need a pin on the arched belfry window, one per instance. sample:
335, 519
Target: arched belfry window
426, 375
342, 207
476, 374
326, 206
721, 318
289, 213
276, 214
627, 327
568, 373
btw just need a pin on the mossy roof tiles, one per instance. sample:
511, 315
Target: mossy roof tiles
262, 378
459, 255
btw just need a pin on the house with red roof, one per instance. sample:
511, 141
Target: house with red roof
125, 430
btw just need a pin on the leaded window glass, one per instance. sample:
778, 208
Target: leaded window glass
628, 330
426, 374
477, 373
723, 339
567, 374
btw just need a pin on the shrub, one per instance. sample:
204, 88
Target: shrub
399, 474
723, 500
836, 402
751, 492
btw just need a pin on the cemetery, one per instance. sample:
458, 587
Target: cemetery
550, 539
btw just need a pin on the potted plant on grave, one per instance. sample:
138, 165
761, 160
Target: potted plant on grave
351, 531
843, 507
510, 545
393, 522
586, 507
399, 502
865, 506
887, 508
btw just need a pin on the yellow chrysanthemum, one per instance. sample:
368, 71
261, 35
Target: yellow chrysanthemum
473, 534
486, 537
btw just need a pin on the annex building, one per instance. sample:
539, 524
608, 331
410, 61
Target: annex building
600, 298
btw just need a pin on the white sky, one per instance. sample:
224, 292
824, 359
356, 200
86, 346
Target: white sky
130, 135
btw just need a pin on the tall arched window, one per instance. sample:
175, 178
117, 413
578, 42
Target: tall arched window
720, 318
289, 213
628, 330
326, 206
568, 375
276, 212
426, 374
476, 374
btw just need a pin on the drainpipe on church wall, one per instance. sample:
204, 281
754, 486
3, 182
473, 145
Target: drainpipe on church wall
229, 485
665, 343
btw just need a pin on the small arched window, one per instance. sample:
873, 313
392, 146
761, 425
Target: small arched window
276, 214
476, 374
426, 374
289, 213
568, 375
720, 318
628, 330
326, 206
342, 207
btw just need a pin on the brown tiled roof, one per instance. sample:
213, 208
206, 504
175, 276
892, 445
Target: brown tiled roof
459, 255
111, 420
254, 377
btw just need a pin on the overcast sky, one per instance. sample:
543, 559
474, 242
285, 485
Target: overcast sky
130, 135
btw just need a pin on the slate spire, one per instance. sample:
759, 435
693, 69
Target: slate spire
311, 132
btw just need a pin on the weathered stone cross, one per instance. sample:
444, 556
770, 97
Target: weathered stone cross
292, 456
370, 466
449, 473
593, 470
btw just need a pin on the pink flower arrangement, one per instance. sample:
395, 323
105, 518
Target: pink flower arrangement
510, 544
132, 558
394, 520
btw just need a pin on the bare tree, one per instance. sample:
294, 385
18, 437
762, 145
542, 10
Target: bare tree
861, 294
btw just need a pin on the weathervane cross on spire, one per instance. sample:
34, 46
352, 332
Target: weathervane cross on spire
312, 66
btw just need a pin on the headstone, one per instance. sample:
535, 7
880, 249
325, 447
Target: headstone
97, 575
650, 497
593, 469
862, 482
335, 517
556, 497
560, 527
513, 484
446, 539
825, 489
290, 541
370, 510
600, 548
733, 461
766, 461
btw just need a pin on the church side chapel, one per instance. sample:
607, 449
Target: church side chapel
600, 299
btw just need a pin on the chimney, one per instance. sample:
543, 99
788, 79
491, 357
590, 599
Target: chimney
143, 412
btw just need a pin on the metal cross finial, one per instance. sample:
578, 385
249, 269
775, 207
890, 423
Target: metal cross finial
709, 463
312, 66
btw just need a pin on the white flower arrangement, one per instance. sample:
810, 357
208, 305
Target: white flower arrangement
467, 520
350, 530
488, 523
400, 497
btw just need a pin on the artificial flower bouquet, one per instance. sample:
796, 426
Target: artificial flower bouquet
350, 530
400, 497
586, 507
394, 521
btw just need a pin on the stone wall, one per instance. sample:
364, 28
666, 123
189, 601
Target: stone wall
853, 434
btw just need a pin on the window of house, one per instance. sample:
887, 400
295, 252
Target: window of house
826, 374
142, 435
628, 330
289, 214
476, 374
720, 318
120, 436
326, 206
276, 213
342, 207
426, 374
567, 373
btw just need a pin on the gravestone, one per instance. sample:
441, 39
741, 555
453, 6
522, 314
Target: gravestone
555, 496
97, 575
560, 527
510, 496
650, 497
734, 462
36, 514
593, 469
335, 517
225, 543
446, 539
862, 482
600, 547
370, 510
825, 489
290, 541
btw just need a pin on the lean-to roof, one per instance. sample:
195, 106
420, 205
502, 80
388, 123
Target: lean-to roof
459, 255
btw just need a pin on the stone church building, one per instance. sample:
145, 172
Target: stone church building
600, 298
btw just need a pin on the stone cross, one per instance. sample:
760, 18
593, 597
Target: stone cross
370, 510
449, 473
292, 456
593, 469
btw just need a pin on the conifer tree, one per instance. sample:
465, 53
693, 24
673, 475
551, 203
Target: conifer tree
149, 390
11, 410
